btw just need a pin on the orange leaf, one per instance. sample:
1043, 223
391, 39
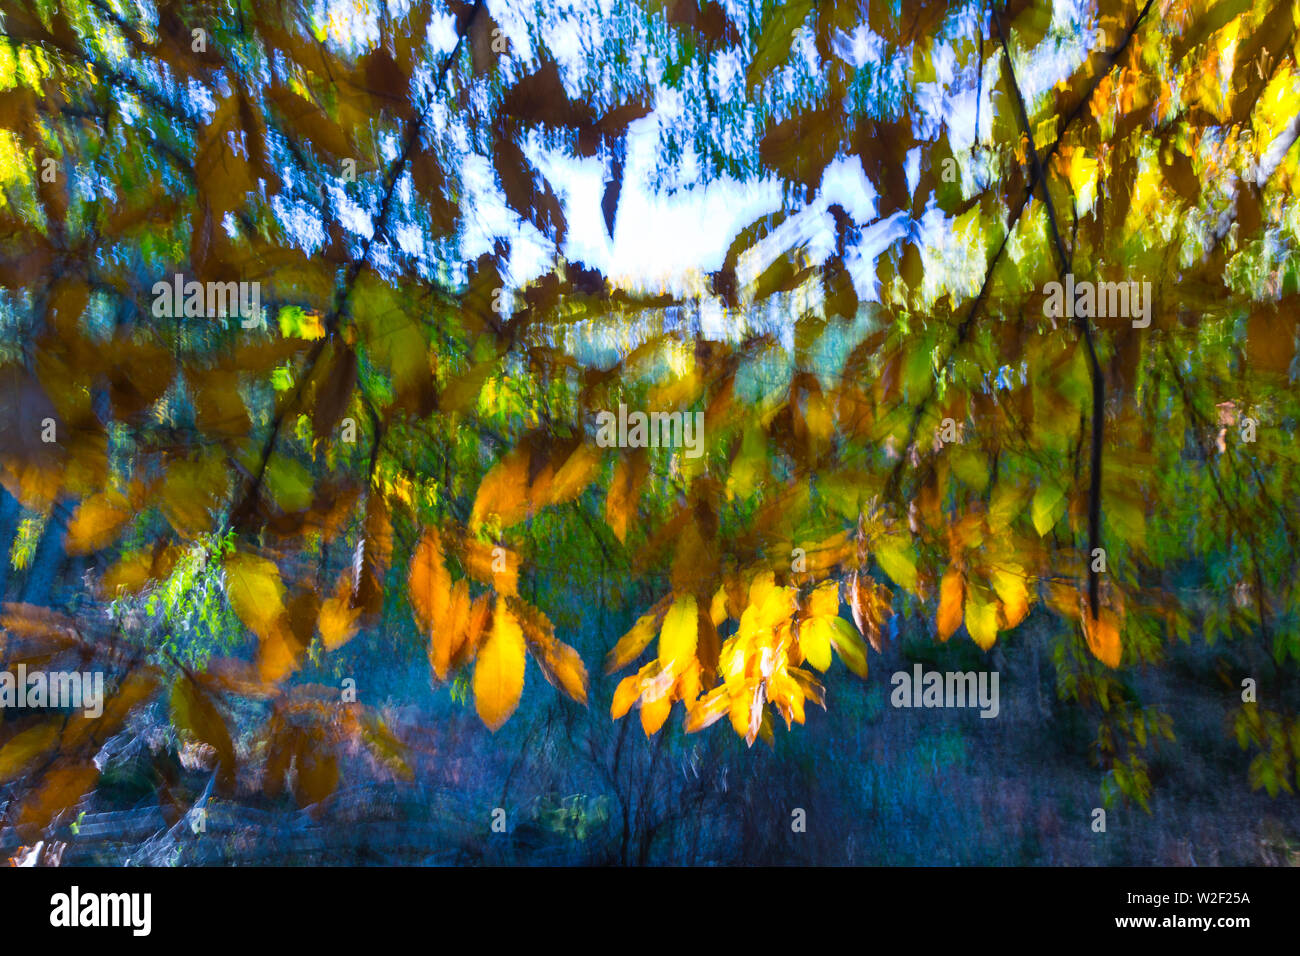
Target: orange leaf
950, 597
708, 709
625, 695
429, 583
97, 522
449, 635
337, 622
624, 491
503, 492
1102, 635
654, 713
559, 662
494, 565
574, 475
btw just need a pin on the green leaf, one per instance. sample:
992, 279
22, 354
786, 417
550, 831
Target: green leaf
1047, 507
898, 559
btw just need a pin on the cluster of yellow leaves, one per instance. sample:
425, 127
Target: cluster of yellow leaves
760, 664
673, 675
984, 585
493, 631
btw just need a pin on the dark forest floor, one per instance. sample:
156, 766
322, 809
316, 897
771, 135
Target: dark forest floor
877, 785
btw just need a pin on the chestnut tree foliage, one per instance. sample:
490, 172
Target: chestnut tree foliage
896, 431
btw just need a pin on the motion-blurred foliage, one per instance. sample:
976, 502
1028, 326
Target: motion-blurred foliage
384, 443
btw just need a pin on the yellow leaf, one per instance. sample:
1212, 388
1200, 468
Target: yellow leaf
499, 671
769, 605
1047, 507
191, 491
849, 645
718, 607
824, 600
740, 709
898, 560
680, 632
815, 642
981, 620
574, 475
950, 597
631, 644
255, 592
129, 574
193, 710
26, 747
1010, 586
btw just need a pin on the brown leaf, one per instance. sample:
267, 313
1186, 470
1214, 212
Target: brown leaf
310, 123
560, 663
193, 710
334, 393
625, 490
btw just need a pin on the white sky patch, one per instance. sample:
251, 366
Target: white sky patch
845, 182
876, 238
564, 44
959, 113
513, 27
351, 216
490, 219
669, 238
862, 46
410, 239
580, 183
912, 168
726, 69
441, 33
715, 324
661, 240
